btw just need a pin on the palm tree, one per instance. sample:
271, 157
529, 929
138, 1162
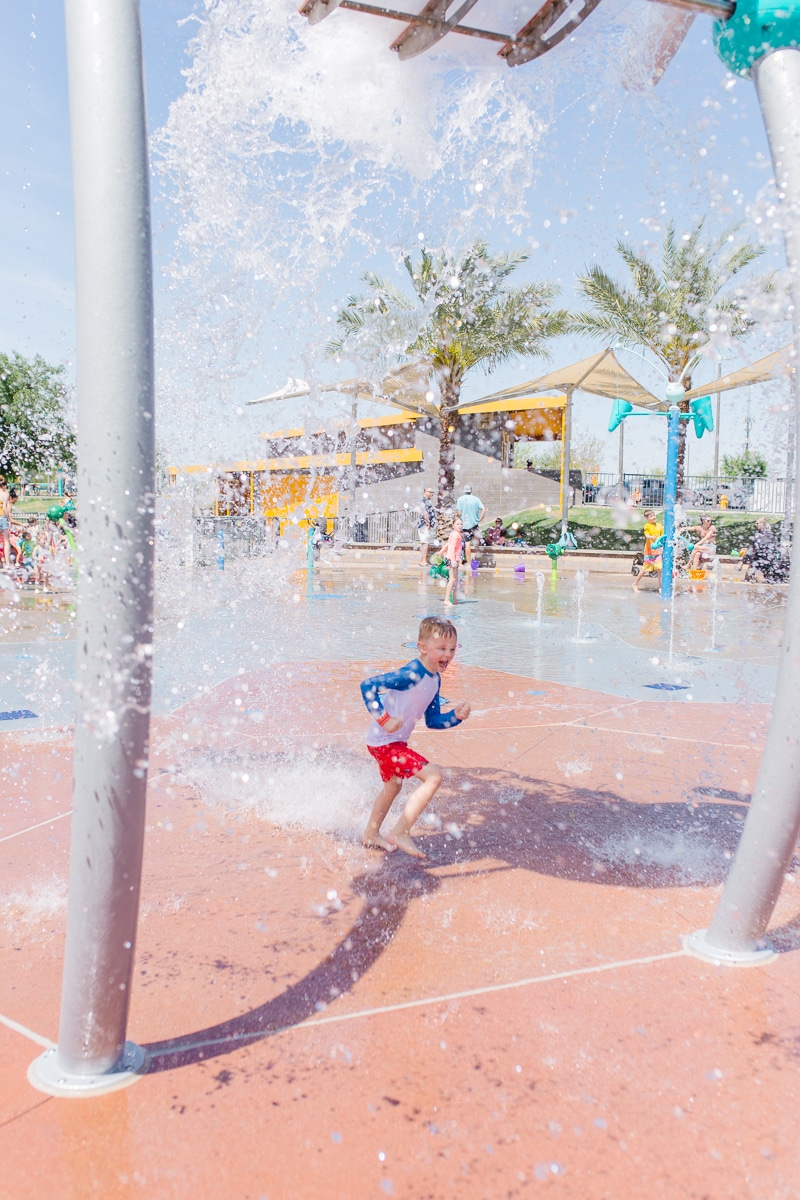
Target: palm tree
674, 308
463, 314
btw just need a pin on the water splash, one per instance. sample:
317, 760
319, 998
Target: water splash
39, 904
539, 596
328, 791
579, 590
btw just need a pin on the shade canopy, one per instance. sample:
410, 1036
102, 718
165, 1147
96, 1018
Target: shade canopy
406, 387
777, 365
602, 375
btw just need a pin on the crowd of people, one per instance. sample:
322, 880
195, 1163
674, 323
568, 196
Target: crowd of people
32, 554
695, 545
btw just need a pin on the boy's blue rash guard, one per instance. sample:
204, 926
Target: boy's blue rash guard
410, 693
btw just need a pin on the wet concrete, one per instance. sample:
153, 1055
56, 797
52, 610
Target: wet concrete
512, 1014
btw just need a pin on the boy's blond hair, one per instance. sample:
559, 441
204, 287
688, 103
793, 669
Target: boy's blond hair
436, 627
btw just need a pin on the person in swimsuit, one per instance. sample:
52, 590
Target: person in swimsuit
705, 550
396, 701
452, 556
653, 530
5, 522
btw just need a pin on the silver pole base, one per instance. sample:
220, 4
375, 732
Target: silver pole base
698, 945
45, 1074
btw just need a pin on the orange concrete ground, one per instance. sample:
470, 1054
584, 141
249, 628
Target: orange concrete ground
515, 1014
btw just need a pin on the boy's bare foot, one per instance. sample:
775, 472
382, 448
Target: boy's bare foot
376, 842
405, 843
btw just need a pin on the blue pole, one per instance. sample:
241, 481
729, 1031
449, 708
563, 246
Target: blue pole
221, 549
670, 496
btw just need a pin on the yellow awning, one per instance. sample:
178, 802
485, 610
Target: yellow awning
304, 462
364, 458
398, 418
520, 403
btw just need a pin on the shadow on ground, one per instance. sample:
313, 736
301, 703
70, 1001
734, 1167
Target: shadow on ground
489, 821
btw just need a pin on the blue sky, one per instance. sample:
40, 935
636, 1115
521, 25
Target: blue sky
590, 163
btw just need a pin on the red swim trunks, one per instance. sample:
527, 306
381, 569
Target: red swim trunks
396, 761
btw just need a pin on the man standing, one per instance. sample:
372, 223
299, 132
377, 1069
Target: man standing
426, 526
472, 512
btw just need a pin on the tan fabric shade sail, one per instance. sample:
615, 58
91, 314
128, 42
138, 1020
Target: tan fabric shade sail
774, 366
601, 375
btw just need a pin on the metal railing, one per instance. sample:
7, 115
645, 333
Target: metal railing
394, 528
228, 538
697, 491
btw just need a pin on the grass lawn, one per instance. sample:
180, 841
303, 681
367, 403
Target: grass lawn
36, 504
598, 528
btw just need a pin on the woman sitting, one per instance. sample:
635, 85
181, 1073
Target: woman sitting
494, 535
705, 550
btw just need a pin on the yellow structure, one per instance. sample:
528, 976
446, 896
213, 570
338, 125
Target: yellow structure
300, 476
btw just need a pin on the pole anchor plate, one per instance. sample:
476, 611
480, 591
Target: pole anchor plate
698, 946
46, 1075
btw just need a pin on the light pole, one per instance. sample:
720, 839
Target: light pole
716, 431
116, 480
565, 459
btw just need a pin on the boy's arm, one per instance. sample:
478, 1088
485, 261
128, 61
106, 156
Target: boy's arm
436, 719
393, 681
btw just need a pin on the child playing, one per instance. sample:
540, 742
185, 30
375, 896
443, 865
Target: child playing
5, 522
397, 700
452, 556
27, 542
41, 561
653, 530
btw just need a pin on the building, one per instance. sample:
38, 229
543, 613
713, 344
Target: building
327, 473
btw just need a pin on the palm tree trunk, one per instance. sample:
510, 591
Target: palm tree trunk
683, 405
450, 394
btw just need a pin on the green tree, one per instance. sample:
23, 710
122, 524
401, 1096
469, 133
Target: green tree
35, 429
675, 307
585, 453
463, 314
747, 465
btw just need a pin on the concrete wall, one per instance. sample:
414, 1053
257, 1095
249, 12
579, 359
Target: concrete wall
501, 490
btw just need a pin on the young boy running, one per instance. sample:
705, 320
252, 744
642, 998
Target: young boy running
397, 700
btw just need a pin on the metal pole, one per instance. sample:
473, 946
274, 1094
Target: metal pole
353, 458
670, 495
773, 822
565, 462
716, 431
788, 490
621, 458
116, 480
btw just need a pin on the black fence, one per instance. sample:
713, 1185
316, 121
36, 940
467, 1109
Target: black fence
698, 491
215, 538
398, 527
